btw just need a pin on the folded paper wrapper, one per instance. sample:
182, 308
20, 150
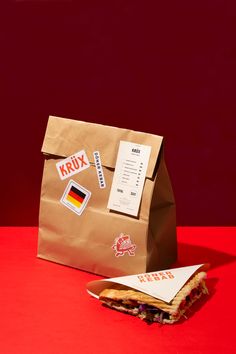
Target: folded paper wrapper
163, 285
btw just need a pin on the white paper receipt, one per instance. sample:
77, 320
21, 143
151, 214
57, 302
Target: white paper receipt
129, 177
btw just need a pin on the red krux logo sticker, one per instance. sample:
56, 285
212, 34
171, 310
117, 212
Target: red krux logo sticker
72, 164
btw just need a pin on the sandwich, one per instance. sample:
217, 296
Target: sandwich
151, 309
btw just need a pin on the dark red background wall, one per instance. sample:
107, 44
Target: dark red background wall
164, 67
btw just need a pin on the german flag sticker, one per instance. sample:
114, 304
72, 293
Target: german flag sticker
75, 197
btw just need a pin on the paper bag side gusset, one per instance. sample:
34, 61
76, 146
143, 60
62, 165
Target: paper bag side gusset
162, 239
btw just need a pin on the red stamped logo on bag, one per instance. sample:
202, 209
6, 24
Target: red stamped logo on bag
122, 245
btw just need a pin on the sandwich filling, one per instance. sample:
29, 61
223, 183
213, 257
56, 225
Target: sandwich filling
151, 309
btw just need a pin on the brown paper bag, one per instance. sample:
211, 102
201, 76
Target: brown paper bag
76, 228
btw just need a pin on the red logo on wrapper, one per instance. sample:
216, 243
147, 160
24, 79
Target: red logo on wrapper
122, 245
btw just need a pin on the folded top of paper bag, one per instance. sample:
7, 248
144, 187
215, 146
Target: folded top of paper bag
163, 285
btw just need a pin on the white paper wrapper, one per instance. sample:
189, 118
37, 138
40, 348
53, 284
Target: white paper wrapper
163, 285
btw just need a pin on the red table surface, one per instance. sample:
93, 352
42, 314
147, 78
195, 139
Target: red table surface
45, 307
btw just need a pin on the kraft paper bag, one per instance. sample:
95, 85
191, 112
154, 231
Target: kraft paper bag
107, 204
